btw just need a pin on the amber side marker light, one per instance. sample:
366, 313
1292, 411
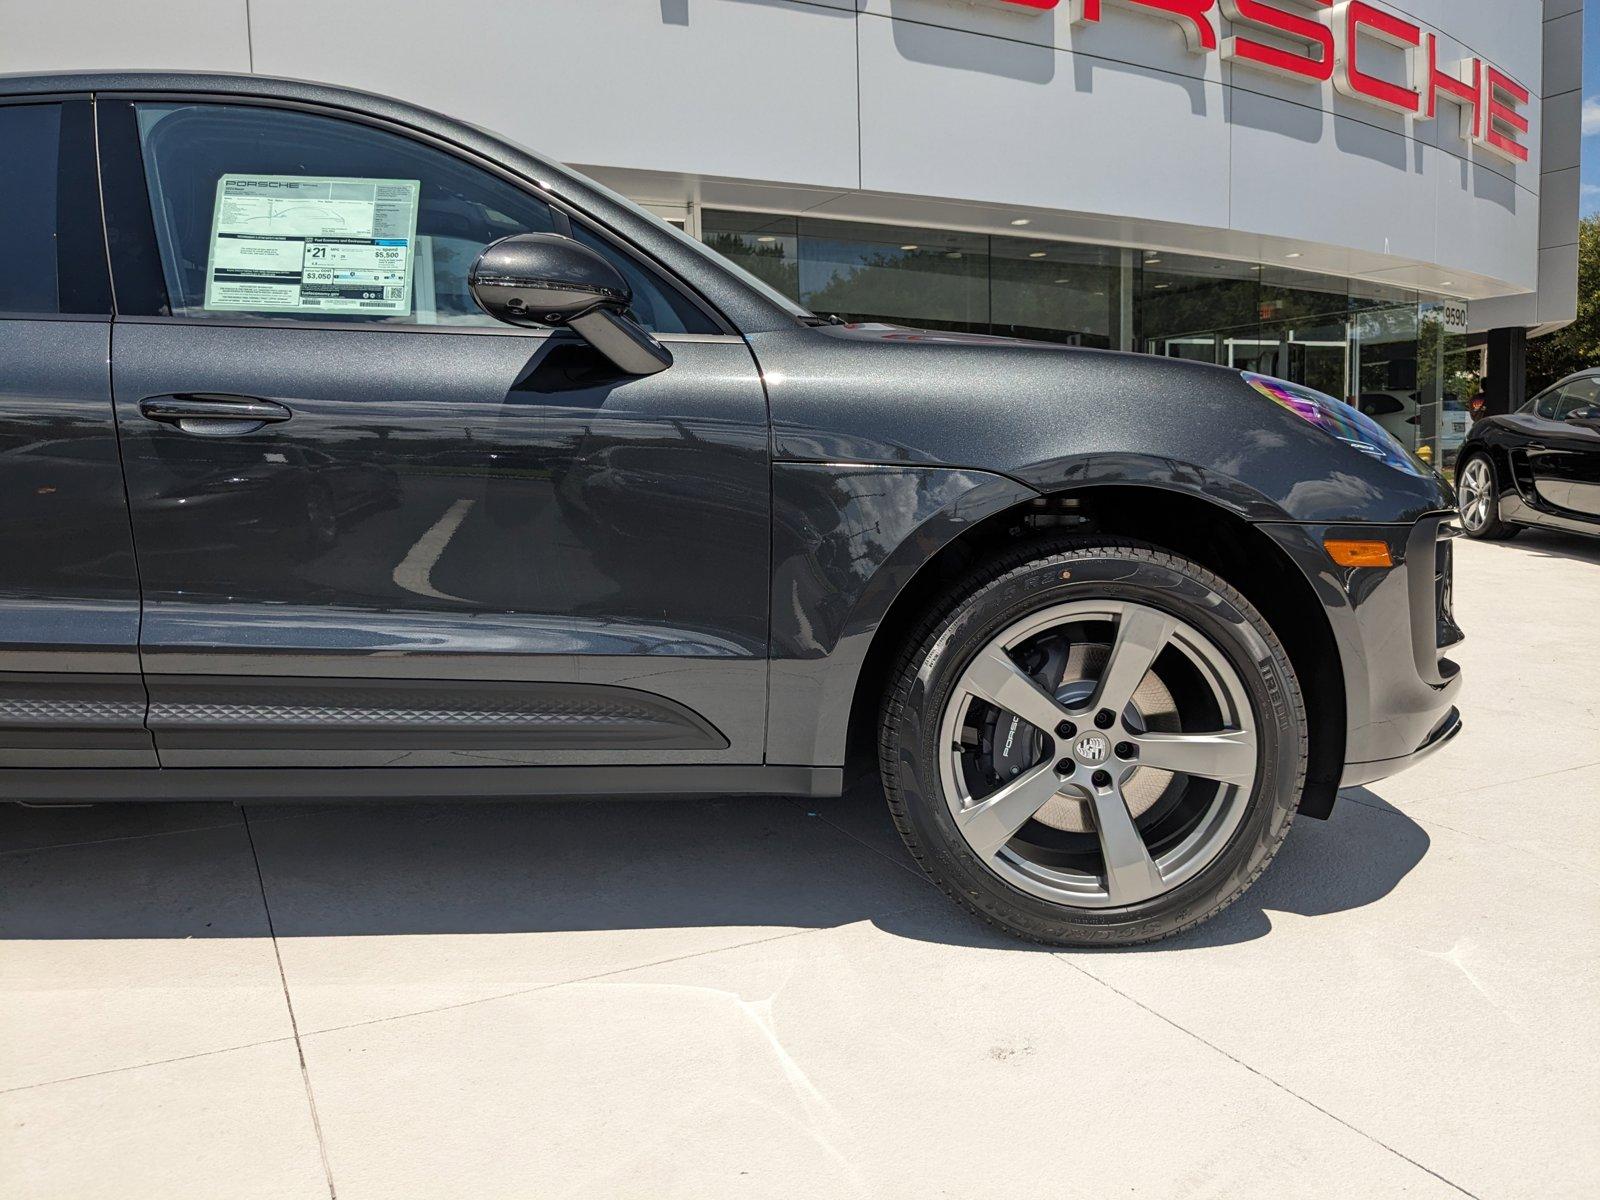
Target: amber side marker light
1349, 553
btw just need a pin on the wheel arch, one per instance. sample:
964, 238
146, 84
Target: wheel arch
1179, 521
1498, 453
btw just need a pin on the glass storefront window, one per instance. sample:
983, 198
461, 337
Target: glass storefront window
933, 279
1054, 291
766, 246
1381, 348
884, 273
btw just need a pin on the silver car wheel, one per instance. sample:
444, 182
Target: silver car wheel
1475, 493
1156, 786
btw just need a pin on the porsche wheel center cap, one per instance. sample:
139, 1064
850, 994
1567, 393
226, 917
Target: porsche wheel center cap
1092, 748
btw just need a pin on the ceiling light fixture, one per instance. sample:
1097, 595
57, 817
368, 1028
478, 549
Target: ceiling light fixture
912, 246
1036, 254
1021, 221
766, 239
1293, 254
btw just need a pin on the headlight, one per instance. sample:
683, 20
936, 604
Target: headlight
1344, 422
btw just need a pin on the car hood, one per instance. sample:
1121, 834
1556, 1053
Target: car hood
1056, 417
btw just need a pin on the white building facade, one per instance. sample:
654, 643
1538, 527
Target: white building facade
1310, 187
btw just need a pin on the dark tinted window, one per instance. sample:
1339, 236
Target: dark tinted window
30, 139
278, 214
1580, 393
55, 258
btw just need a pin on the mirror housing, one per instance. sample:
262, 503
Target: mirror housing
544, 279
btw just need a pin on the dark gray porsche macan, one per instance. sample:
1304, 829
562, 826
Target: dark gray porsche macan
348, 451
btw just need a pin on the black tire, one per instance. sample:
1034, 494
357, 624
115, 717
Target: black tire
1028, 580
1491, 528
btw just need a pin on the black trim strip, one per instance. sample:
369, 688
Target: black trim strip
383, 783
82, 281
241, 714
137, 278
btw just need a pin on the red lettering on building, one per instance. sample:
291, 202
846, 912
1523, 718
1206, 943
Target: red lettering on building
1344, 40
1298, 27
1355, 20
1502, 96
1464, 93
1192, 15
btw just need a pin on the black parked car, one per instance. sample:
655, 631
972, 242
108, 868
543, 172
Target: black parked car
347, 450
1538, 466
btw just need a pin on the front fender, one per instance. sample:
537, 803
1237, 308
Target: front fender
846, 539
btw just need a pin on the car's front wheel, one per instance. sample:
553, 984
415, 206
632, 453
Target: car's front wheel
1478, 499
1094, 743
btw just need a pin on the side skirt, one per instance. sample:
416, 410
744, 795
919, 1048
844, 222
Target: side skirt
395, 783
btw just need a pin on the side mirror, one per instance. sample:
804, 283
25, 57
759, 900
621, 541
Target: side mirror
544, 279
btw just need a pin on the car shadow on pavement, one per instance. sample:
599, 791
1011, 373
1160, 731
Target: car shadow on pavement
1548, 543
1355, 858
181, 871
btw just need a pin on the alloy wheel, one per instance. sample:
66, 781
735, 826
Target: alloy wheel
1098, 753
1476, 494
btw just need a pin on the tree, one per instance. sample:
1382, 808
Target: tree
1578, 345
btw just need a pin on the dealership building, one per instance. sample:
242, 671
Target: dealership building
1378, 200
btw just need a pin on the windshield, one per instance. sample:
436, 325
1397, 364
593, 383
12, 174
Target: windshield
704, 251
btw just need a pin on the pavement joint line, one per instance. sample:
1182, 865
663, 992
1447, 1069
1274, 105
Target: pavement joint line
866, 845
288, 1001
1285, 1088
561, 983
159, 1062
310, 809
121, 837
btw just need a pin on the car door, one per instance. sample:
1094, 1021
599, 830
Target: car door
376, 528
70, 693
1564, 458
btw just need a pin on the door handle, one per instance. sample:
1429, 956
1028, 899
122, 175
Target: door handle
213, 414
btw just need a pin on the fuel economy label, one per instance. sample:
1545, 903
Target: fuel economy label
306, 244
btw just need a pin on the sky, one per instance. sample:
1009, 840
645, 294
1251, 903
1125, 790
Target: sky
1591, 108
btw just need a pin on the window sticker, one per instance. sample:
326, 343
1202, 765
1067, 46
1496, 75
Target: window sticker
303, 244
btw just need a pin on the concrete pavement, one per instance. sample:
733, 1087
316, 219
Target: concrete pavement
759, 998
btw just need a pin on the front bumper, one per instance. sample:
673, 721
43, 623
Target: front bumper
1392, 627
1357, 773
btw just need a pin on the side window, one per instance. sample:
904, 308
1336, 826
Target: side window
656, 306
54, 255
1579, 394
273, 213
1545, 405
